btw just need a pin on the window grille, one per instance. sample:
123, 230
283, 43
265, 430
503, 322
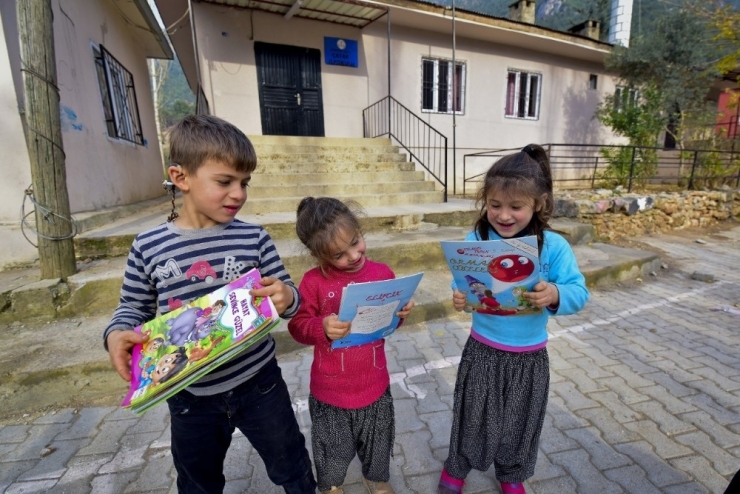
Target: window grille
120, 108
523, 95
442, 88
625, 97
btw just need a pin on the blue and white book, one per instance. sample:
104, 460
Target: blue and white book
371, 308
495, 274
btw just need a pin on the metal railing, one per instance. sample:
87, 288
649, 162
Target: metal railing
424, 144
608, 166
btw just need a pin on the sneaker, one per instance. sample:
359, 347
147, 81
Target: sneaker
449, 484
374, 487
334, 490
516, 488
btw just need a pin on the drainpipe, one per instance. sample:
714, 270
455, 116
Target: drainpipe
454, 110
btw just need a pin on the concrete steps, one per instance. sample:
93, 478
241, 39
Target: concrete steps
372, 172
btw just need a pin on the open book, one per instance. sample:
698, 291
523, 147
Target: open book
495, 274
190, 341
372, 308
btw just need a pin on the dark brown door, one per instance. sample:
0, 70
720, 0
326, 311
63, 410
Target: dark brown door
289, 80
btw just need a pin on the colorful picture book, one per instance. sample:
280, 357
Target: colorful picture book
495, 274
372, 308
190, 341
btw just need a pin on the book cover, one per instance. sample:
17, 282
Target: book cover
372, 308
495, 274
190, 341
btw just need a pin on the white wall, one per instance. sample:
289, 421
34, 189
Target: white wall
226, 43
101, 172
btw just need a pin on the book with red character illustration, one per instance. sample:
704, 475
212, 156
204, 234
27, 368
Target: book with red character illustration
190, 341
495, 274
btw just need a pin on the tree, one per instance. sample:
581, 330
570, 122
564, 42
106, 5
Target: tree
677, 58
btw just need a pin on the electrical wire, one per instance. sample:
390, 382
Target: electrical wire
48, 215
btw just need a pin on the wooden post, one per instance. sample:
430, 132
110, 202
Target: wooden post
44, 139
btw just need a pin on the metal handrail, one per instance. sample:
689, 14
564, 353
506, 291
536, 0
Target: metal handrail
424, 144
587, 166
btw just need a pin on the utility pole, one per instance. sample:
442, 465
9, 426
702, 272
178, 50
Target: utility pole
54, 226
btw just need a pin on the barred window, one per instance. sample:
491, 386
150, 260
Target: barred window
442, 88
523, 95
625, 97
117, 91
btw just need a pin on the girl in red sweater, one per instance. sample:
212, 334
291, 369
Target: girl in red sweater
350, 402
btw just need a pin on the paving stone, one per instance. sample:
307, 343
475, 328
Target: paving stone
632, 479
668, 423
14, 433
623, 390
235, 464
583, 382
602, 456
155, 475
87, 423
574, 399
612, 431
674, 387
562, 418
156, 419
63, 416
11, 470
688, 488
108, 437
54, 465
722, 461
559, 484
39, 437
431, 401
630, 376
116, 482
711, 389
621, 412
440, 425
407, 420
722, 436
553, 440
587, 477
664, 446
658, 471
417, 453
30, 487
730, 370
719, 413
125, 459
702, 471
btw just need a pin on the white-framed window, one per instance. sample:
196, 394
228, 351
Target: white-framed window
120, 108
625, 97
442, 87
523, 90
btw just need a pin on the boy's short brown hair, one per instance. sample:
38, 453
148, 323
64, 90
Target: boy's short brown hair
197, 138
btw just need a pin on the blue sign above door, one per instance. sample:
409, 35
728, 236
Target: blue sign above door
340, 51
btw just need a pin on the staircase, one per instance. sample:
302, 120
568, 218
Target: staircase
369, 171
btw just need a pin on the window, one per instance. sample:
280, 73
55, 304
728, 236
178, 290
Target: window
593, 81
624, 97
523, 95
119, 97
442, 88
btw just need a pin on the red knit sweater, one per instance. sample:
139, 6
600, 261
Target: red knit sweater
352, 377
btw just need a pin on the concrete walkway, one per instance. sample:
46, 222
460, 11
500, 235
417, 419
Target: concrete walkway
644, 398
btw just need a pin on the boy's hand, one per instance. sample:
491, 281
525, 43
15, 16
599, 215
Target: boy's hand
544, 294
280, 293
334, 328
120, 342
459, 300
405, 310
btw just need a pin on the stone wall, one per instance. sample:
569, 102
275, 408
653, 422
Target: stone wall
616, 214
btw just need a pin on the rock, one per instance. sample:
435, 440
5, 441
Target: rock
705, 277
47, 451
700, 241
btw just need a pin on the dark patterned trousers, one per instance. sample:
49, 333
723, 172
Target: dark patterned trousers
337, 434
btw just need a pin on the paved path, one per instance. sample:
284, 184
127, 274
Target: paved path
645, 398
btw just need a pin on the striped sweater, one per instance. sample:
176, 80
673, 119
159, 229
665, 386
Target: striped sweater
169, 266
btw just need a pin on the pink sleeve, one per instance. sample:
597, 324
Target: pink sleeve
307, 326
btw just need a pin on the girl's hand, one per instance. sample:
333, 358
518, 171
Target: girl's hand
280, 293
405, 310
544, 295
334, 328
459, 299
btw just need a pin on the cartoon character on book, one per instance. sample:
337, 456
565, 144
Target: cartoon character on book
488, 303
169, 365
193, 324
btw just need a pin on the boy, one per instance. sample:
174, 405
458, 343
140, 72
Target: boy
212, 163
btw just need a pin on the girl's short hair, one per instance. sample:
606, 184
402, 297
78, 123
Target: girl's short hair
198, 138
320, 220
524, 173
